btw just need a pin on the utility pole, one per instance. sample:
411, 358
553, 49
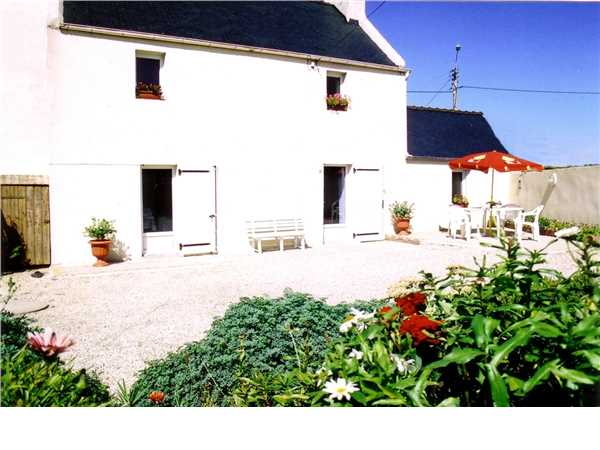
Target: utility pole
454, 76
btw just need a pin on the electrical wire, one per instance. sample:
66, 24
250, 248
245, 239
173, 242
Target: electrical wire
537, 91
439, 91
354, 29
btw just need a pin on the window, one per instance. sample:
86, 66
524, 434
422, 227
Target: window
334, 84
335, 100
147, 78
334, 204
157, 200
457, 179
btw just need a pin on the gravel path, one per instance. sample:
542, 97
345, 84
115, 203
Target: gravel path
126, 314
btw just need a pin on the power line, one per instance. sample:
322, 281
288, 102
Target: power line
439, 91
354, 29
375, 10
430, 92
538, 91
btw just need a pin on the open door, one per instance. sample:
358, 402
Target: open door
197, 211
367, 193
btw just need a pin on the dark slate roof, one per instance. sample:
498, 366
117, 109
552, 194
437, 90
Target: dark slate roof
309, 27
446, 133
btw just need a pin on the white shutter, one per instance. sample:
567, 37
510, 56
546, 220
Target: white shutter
196, 211
367, 194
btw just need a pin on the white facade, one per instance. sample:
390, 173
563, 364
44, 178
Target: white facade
257, 121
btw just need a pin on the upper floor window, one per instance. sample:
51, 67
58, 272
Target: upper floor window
147, 78
335, 99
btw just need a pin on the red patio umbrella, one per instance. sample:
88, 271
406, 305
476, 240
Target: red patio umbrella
496, 161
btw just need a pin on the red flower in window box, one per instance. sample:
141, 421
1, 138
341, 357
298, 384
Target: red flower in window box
148, 90
421, 328
337, 102
411, 303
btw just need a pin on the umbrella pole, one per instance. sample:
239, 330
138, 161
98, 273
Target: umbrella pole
492, 194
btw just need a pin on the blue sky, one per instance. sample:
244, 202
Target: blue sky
544, 46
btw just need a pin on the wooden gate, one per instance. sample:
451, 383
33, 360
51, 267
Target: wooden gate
26, 223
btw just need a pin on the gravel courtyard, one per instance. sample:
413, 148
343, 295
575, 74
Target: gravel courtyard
126, 314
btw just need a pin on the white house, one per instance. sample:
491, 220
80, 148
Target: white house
242, 130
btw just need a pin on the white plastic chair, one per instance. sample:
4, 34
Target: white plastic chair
458, 219
521, 220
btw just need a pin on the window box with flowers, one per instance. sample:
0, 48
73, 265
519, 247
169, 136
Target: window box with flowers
337, 102
148, 91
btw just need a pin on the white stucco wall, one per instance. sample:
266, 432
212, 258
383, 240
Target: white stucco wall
428, 185
25, 86
575, 197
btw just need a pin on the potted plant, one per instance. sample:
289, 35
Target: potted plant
401, 214
148, 90
100, 232
337, 102
460, 200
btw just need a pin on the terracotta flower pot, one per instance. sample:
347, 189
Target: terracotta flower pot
401, 226
100, 249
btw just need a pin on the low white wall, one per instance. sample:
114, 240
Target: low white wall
574, 198
428, 185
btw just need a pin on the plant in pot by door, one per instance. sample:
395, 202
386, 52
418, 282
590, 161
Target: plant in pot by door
460, 200
401, 214
100, 232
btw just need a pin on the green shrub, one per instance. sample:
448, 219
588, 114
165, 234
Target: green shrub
39, 382
29, 379
256, 335
510, 334
13, 333
589, 233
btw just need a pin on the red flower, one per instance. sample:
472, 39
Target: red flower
385, 309
415, 326
156, 397
411, 303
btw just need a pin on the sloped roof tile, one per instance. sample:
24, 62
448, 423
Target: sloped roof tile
310, 27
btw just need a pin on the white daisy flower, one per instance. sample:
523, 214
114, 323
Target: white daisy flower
356, 354
345, 327
404, 365
340, 389
566, 232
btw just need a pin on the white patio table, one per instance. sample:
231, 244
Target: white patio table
504, 212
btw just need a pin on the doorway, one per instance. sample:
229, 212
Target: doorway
157, 210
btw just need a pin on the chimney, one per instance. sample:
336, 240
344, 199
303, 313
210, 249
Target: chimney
351, 9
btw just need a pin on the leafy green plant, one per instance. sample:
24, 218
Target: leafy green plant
460, 199
14, 333
257, 334
127, 396
100, 229
511, 334
30, 379
402, 210
27, 382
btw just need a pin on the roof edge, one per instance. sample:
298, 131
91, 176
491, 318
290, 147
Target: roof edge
439, 159
455, 111
69, 27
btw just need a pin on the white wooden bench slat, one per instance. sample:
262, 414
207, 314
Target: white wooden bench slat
276, 229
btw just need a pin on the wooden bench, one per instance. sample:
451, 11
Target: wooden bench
275, 230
